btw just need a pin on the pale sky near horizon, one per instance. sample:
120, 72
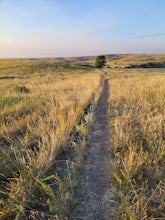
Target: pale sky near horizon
56, 28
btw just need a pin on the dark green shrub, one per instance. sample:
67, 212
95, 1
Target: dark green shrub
100, 61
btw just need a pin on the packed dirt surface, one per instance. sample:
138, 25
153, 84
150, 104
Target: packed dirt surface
95, 194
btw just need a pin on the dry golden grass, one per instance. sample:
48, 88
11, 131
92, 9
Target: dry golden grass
39, 106
137, 118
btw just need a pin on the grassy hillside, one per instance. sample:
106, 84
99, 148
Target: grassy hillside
40, 106
114, 61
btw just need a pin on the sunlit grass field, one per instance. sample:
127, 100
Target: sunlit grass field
137, 125
40, 104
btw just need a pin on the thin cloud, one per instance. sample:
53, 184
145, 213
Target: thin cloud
150, 35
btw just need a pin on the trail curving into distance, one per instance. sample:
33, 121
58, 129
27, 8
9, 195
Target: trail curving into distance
94, 195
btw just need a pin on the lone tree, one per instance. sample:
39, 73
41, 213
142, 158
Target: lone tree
100, 61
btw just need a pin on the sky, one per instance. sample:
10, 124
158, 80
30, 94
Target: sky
61, 28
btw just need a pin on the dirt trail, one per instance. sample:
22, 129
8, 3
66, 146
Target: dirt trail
95, 197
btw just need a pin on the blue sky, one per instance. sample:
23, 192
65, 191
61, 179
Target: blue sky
55, 28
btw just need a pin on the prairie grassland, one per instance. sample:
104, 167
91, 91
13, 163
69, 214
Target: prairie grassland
40, 104
137, 123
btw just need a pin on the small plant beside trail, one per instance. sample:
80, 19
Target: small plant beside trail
137, 117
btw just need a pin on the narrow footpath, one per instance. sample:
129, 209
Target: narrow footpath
94, 195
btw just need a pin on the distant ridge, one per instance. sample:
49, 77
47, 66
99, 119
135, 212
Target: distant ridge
116, 60
113, 60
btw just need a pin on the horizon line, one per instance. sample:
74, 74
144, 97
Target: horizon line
53, 57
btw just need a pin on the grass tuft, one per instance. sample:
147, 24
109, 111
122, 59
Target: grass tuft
21, 89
